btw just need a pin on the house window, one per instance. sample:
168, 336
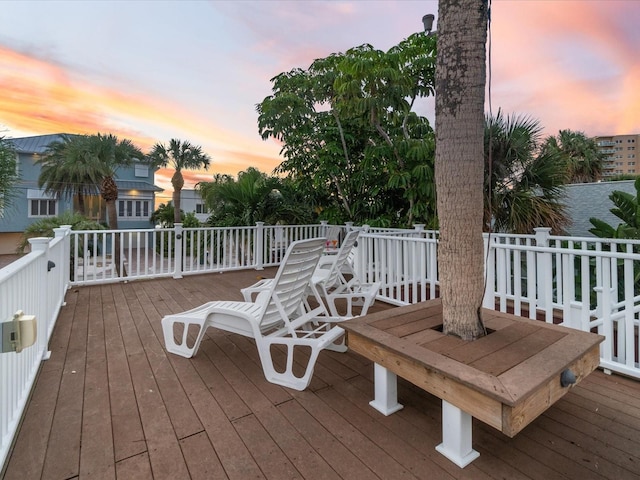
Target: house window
134, 209
200, 208
41, 204
42, 207
141, 170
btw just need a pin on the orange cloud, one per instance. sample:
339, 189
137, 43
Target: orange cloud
42, 98
541, 51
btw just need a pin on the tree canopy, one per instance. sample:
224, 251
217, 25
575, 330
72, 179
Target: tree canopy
627, 209
349, 128
180, 155
254, 196
581, 156
523, 184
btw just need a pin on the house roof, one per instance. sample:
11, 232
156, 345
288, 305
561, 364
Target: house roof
586, 200
37, 144
137, 185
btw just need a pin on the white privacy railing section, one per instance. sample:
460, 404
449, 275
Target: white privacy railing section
35, 284
584, 283
406, 265
178, 251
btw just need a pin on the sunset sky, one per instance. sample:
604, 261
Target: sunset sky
195, 70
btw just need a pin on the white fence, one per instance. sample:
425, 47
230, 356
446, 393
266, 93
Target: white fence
35, 284
174, 252
586, 283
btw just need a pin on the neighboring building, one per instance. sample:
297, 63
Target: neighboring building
191, 201
587, 200
136, 195
621, 154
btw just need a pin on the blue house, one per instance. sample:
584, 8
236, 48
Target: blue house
136, 195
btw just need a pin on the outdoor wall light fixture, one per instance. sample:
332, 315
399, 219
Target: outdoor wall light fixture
567, 378
427, 21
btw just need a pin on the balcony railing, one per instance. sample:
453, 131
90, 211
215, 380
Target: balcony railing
586, 283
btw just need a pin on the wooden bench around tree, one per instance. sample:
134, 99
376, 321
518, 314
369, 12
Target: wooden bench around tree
505, 379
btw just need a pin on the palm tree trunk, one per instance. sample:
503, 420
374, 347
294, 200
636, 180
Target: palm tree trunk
460, 83
177, 181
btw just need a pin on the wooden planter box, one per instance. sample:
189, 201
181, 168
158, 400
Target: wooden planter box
505, 379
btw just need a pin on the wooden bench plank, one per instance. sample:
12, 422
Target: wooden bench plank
470, 352
516, 353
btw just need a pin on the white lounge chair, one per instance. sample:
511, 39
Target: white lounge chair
277, 317
333, 279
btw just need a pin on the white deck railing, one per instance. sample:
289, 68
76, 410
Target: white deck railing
585, 283
35, 284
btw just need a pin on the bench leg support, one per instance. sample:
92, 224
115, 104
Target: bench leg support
386, 391
456, 436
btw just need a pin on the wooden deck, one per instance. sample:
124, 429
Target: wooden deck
111, 403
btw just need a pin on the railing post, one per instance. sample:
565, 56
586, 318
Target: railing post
544, 269
177, 272
42, 285
324, 228
489, 299
349, 226
258, 252
64, 262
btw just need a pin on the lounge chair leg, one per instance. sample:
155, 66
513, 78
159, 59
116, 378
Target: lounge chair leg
386, 391
456, 436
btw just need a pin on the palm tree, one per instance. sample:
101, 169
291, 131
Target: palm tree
181, 155
627, 209
106, 154
253, 197
580, 154
68, 169
460, 84
523, 185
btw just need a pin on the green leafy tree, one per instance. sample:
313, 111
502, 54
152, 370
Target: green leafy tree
180, 155
580, 154
165, 215
627, 209
101, 156
9, 175
254, 196
69, 169
348, 129
523, 185
44, 227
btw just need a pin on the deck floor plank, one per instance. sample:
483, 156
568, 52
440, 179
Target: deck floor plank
142, 313
63, 451
97, 453
128, 436
111, 403
201, 458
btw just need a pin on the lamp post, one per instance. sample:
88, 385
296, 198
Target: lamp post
427, 21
